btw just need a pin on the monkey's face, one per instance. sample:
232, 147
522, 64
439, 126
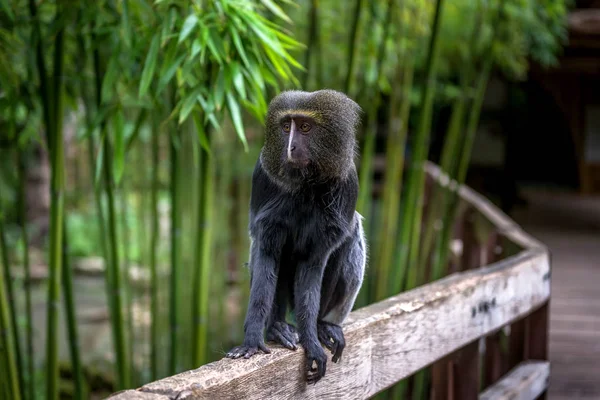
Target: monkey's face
296, 129
310, 135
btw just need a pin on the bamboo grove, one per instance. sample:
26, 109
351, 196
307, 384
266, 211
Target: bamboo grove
149, 117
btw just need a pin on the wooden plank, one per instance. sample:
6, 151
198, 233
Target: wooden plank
525, 382
136, 395
386, 341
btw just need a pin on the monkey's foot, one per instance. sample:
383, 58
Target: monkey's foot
247, 351
315, 355
283, 333
332, 337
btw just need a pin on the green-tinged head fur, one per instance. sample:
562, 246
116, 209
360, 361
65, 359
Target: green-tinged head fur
332, 140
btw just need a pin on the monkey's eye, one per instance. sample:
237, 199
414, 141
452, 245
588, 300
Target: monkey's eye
286, 127
305, 127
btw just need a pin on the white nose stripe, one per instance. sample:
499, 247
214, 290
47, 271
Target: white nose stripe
289, 148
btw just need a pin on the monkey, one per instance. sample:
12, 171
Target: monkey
307, 244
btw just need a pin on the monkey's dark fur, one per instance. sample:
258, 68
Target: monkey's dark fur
307, 242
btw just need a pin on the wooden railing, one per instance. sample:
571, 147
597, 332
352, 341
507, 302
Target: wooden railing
491, 313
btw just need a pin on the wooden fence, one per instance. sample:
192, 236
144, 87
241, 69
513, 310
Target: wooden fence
490, 315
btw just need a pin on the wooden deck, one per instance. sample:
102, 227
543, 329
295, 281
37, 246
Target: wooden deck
570, 226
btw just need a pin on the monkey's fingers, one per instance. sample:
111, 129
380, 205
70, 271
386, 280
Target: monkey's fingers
339, 349
315, 374
326, 340
275, 335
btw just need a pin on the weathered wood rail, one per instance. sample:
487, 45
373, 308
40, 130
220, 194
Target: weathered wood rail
491, 313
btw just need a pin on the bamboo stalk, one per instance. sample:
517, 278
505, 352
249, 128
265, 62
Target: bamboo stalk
312, 40
113, 273
366, 163
10, 373
450, 153
10, 290
395, 149
153, 256
27, 267
56, 145
123, 368
175, 254
127, 266
352, 44
69, 300
442, 248
412, 206
203, 254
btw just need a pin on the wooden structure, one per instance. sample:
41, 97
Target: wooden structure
491, 314
574, 86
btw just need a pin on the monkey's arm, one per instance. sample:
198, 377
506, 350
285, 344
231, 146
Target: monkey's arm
307, 287
263, 280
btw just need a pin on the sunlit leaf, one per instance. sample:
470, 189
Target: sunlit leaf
188, 26
238, 80
275, 9
237, 42
149, 66
236, 117
196, 47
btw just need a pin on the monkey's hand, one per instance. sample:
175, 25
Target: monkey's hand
316, 355
248, 349
332, 337
283, 333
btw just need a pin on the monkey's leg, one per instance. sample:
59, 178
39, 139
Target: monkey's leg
349, 260
278, 330
263, 282
307, 289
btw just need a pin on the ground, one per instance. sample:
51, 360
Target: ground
570, 225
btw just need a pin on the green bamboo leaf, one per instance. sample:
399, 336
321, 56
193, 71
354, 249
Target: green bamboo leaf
237, 42
213, 42
187, 105
275, 9
119, 158
236, 117
188, 26
149, 66
127, 36
220, 90
112, 73
201, 133
166, 77
196, 47
99, 161
238, 79
7, 9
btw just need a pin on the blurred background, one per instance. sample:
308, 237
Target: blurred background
129, 130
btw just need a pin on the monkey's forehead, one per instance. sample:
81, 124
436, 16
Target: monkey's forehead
316, 105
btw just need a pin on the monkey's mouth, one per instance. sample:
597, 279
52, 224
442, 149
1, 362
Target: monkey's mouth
298, 162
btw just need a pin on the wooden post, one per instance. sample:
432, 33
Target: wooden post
440, 379
465, 373
495, 363
537, 336
465, 367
